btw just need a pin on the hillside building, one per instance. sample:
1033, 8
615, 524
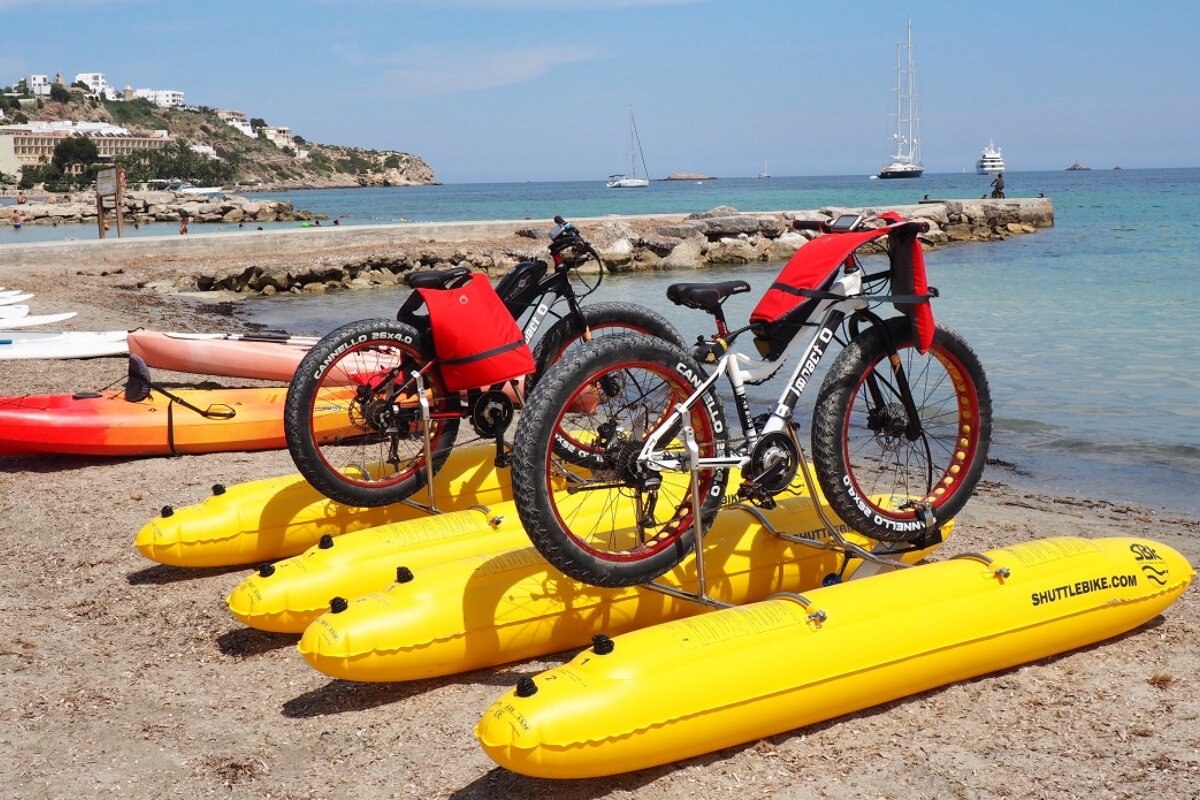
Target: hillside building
33, 143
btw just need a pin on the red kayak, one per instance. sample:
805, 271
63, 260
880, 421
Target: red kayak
270, 358
106, 424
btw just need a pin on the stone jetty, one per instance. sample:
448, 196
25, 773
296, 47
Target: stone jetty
160, 206
361, 257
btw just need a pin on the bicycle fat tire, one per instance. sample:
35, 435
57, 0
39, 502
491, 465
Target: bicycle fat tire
615, 527
867, 466
602, 319
350, 462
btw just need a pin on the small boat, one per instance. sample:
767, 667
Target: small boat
264, 357
764, 173
631, 180
991, 161
1077, 167
906, 161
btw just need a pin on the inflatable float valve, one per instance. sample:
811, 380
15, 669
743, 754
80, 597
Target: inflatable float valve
218, 489
338, 604
526, 687
602, 645
495, 521
266, 570
325, 542
167, 511
403, 575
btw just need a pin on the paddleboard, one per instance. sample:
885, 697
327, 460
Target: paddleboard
41, 319
60, 344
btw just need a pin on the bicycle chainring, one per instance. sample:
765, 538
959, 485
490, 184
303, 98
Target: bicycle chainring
492, 413
773, 465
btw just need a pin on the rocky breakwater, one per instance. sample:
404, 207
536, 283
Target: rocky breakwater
720, 236
146, 207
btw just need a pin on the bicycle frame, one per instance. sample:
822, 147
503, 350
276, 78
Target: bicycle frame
740, 369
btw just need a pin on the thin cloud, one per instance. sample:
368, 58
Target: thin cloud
432, 71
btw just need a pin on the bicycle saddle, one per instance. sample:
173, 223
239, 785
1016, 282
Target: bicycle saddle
436, 278
705, 296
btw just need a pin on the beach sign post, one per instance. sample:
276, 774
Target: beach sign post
110, 183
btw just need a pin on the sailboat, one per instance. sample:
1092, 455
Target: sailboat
631, 180
764, 173
906, 161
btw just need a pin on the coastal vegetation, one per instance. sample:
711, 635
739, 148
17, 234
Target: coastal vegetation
241, 160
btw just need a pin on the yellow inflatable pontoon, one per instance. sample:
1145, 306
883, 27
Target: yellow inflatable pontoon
286, 596
494, 608
696, 685
275, 518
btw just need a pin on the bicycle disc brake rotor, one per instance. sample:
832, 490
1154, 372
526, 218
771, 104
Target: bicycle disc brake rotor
890, 423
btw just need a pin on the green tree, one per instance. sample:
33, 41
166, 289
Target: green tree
59, 93
75, 150
257, 122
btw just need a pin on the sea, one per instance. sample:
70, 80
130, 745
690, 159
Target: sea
1089, 331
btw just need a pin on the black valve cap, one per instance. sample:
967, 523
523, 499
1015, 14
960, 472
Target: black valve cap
526, 687
338, 604
266, 570
325, 542
167, 511
218, 489
403, 575
602, 645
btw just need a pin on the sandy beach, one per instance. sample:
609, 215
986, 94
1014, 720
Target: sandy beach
127, 679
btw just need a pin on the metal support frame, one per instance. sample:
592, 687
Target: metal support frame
431, 507
881, 558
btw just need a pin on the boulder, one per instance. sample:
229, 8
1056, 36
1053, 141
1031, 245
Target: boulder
685, 255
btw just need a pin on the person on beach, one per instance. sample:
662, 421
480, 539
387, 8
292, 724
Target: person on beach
21, 200
183, 223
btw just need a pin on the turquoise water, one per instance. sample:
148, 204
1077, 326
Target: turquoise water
1089, 331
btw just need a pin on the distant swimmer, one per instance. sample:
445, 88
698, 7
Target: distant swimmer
15, 219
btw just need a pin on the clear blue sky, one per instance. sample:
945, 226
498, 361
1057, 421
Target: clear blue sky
512, 90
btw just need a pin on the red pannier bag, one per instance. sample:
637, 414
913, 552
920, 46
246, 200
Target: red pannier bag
476, 340
783, 309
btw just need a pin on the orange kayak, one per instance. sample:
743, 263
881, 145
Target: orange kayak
105, 424
233, 355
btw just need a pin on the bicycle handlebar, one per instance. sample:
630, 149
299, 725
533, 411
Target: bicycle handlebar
565, 236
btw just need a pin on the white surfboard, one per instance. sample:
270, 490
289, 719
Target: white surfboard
12, 312
59, 344
29, 322
17, 297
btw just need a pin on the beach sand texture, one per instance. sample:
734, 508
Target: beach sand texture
122, 678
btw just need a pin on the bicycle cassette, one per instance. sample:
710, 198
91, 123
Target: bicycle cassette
491, 413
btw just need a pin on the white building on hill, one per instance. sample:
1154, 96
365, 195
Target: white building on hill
38, 85
166, 98
97, 84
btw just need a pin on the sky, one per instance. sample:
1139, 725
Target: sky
538, 90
